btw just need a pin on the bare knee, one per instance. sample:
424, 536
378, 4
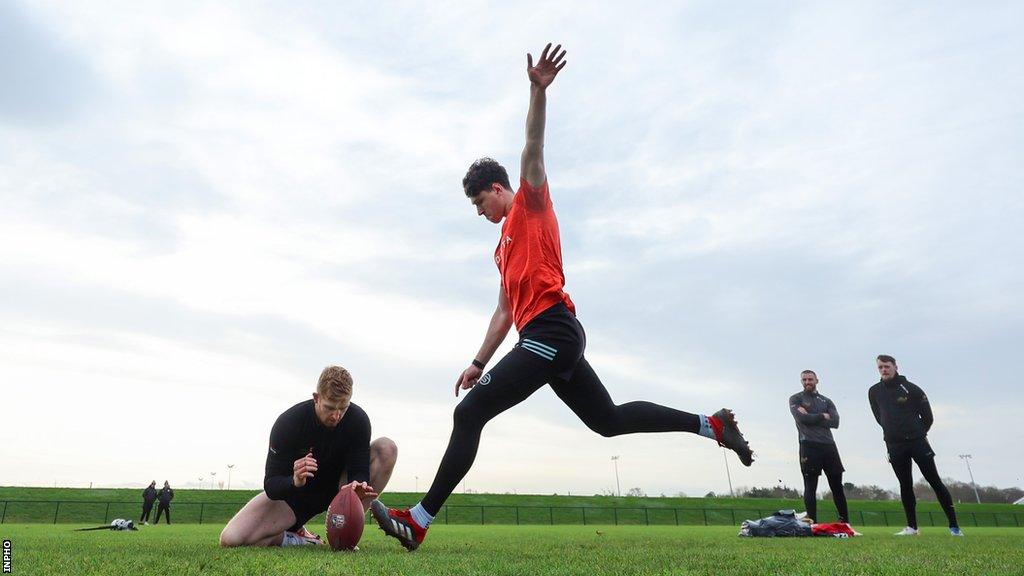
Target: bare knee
229, 538
384, 451
257, 523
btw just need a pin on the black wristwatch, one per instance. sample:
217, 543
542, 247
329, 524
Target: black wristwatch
478, 364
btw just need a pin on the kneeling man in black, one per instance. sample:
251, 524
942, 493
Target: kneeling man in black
815, 417
316, 447
901, 408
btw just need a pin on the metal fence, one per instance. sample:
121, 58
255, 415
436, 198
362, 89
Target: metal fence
92, 512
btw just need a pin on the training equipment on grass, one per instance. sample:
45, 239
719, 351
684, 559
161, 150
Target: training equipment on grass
345, 518
787, 523
116, 524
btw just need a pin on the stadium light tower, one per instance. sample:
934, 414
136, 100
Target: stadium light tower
615, 462
212, 478
230, 466
967, 459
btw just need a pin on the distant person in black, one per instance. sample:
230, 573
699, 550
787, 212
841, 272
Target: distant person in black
165, 496
901, 408
815, 416
316, 447
148, 497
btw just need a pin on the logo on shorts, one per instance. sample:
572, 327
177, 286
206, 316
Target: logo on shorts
337, 520
485, 380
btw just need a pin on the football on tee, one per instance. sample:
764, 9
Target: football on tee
345, 519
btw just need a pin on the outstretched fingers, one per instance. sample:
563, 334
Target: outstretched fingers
557, 56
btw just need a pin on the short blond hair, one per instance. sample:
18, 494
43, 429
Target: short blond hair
335, 382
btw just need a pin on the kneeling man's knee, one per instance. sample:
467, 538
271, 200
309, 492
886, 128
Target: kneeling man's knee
384, 449
229, 539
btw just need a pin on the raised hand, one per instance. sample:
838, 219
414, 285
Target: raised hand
543, 74
303, 469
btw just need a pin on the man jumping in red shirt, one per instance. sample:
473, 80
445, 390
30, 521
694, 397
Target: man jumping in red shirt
551, 339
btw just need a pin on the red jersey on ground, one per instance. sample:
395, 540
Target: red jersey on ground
529, 255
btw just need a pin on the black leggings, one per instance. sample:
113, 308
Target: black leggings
919, 451
521, 373
146, 509
162, 508
835, 484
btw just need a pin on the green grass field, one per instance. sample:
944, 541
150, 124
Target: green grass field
41, 549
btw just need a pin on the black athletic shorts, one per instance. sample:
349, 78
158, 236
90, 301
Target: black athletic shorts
816, 457
554, 341
902, 452
306, 505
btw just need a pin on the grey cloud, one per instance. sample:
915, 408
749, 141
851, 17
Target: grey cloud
45, 82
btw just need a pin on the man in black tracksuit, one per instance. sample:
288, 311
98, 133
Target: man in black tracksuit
815, 416
148, 497
901, 408
165, 496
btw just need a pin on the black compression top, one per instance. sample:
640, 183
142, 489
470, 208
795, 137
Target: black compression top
344, 448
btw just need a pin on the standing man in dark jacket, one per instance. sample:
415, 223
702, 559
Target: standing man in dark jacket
901, 408
165, 496
148, 497
815, 416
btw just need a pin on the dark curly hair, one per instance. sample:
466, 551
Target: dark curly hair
482, 174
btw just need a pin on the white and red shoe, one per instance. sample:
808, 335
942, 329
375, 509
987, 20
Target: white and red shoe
308, 536
398, 524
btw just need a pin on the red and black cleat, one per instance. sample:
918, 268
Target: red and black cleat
398, 524
728, 435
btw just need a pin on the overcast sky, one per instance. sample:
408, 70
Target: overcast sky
203, 204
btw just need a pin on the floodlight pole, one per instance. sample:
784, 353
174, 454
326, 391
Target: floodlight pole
212, 478
417, 483
725, 456
967, 459
615, 462
230, 466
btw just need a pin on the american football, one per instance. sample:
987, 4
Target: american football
345, 520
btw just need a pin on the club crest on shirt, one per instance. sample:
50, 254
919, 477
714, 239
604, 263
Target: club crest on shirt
901, 399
